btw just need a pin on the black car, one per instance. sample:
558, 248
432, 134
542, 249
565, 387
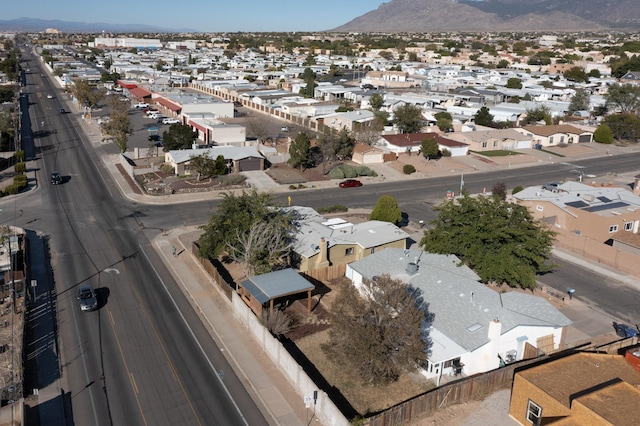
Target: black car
56, 178
62, 111
154, 138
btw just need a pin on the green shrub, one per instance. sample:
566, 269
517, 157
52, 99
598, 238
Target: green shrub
517, 189
445, 153
349, 171
20, 167
332, 209
407, 169
365, 171
19, 156
603, 134
336, 173
20, 180
292, 187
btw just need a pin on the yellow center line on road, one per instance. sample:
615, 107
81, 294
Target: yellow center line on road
126, 367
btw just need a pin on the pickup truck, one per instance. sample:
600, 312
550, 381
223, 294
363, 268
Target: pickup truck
170, 121
141, 105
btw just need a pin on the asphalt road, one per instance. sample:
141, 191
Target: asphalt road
144, 356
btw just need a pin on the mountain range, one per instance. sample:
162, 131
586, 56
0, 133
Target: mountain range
498, 15
38, 25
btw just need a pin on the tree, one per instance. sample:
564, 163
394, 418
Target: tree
624, 126
408, 118
580, 101
381, 332
499, 190
179, 136
119, 124
87, 95
499, 240
603, 134
376, 101
576, 74
483, 117
309, 78
344, 144
429, 148
514, 83
250, 229
623, 97
444, 121
203, 165
539, 113
386, 210
300, 152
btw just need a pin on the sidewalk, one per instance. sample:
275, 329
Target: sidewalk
281, 405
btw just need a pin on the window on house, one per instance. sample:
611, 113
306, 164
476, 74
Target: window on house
551, 140
534, 413
484, 144
561, 139
539, 208
349, 251
628, 226
495, 144
613, 228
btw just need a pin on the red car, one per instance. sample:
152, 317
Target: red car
350, 183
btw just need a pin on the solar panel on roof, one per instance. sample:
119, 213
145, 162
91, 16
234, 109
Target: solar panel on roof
577, 204
604, 199
606, 207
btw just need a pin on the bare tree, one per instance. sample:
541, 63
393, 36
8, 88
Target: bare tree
259, 249
258, 126
119, 124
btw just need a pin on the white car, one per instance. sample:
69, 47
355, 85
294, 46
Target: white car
170, 121
49, 96
141, 105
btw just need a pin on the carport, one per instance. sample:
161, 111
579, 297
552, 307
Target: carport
260, 289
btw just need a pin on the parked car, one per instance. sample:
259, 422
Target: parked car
350, 183
87, 298
141, 105
170, 121
62, 111
155, 115
49, 96
56, 178
624, 330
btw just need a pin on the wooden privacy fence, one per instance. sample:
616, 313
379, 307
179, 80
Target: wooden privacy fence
471, 388
216, 271
327, 274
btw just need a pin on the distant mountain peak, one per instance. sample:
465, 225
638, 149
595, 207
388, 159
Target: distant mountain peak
498, 15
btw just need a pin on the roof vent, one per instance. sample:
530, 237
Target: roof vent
412, 268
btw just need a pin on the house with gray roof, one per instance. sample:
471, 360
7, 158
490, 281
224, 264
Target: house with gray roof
238, 159
322, 242
474, 328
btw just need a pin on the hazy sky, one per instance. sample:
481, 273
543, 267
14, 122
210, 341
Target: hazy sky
199, 15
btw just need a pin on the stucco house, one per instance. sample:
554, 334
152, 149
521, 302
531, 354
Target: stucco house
412, 142
367, 154
474, 327
322, 242
598, 213
239, 159
495, 139
579, 389
556, 134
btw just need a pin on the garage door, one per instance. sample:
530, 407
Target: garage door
249, 164
584, 138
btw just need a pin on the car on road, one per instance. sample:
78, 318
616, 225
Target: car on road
62, 111
49, 96
87, 298
56, 178
170, 121
350, 183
